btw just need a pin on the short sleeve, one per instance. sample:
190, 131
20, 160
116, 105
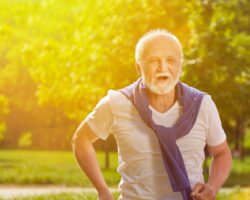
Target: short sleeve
101, 118
215, 132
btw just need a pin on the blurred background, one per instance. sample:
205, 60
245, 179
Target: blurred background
58, 58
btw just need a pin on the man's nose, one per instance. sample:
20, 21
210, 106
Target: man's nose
163, 66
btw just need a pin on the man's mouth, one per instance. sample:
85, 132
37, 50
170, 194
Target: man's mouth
162, 78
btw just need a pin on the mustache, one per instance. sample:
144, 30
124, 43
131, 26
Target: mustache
163, 75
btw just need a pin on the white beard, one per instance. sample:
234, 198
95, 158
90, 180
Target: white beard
161, 90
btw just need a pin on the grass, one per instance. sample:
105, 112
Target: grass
240, 174
46, 167
65, 196
60, 168
236, 194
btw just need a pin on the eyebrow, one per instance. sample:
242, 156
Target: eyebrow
155, 56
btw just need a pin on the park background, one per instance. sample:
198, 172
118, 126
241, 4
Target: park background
59, 57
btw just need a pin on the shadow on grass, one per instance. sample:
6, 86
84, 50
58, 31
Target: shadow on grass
236, 179
8, 163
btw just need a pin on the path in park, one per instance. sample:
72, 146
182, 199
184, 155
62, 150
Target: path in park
8, 192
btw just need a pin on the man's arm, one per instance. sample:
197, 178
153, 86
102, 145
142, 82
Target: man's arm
86, 157
218, 172
220, 166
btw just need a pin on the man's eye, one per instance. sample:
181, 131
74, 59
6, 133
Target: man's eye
170, 60
153, 61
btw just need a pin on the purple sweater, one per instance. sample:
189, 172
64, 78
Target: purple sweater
190, 98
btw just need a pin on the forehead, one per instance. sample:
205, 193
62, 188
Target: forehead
161, 46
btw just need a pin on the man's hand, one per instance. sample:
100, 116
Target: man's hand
106, 195
202, 191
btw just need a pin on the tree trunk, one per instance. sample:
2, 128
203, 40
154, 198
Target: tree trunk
106, 146
239, 137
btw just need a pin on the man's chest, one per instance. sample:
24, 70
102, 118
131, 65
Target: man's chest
134, 137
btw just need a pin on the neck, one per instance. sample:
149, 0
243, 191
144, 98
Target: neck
162, 103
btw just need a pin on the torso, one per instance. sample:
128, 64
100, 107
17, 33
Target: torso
140, 161
142, 171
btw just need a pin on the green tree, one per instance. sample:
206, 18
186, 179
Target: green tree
218, 60
88, 47
72, 52
3, 111
17, 86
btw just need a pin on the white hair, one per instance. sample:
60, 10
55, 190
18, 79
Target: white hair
150, 35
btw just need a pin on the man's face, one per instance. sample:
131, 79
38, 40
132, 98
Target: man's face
160, 64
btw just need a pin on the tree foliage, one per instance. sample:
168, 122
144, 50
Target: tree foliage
219, 60
58, 58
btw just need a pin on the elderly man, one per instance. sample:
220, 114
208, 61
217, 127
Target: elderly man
161, 127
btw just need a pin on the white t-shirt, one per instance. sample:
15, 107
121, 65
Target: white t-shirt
143, 176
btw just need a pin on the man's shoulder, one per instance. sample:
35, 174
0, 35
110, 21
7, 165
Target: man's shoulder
193, 89
208, 105
207, 100
116, 97
115, 94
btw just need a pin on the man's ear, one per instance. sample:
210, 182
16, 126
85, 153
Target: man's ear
138, 68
